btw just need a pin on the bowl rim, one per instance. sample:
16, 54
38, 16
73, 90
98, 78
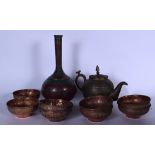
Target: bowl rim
119, 101
12, 101
19, 91
69, 103
94, 108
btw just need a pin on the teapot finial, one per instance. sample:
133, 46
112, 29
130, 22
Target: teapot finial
78, 72
97, 70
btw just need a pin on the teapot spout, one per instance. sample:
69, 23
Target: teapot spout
117, 90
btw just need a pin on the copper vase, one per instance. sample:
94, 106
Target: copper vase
59, 85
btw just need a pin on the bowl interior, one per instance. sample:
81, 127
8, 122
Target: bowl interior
96, 102
22, 103
134, 99
27, 93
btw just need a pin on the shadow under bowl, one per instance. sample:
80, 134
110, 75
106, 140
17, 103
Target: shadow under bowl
55, 109
22, 108
134, 106
96, 108
26, 94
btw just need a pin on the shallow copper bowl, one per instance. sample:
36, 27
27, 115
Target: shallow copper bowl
22, 108
55, 109
96, 108
134, 106
26, 94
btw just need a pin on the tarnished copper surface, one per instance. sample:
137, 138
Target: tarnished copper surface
22, 107
134, 106
58, 85
98, 85
96, 108
26, 94
55, 109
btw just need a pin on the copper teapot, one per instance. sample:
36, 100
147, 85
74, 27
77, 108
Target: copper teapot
98, 85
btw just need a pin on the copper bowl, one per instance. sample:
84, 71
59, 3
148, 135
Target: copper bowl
55, 109
22, 108
134, 106
26, 94
96, 108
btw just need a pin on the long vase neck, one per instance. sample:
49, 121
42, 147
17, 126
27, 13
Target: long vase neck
58, 51
58, 73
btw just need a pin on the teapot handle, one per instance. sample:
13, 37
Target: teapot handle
77, 77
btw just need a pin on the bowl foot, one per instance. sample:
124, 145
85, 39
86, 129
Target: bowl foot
96, 119
56, 119
22, 116
133, 116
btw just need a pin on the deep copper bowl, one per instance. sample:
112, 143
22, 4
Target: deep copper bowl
55, 109
26, 94
22, 108
96, 108
134, 106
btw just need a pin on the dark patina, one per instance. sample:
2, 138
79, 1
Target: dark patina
98, 85
26, 94
134, 106
59, 85
55, 109
22, 108
96, 108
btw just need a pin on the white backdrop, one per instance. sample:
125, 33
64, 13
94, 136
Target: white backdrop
27, 58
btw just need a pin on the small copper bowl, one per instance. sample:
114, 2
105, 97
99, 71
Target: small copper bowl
26, 94
96, 108
55, 109
22, 108
134, 106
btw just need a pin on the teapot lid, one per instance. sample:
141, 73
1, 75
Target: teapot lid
98, 76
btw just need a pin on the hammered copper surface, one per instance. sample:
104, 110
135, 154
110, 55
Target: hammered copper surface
22, 108
134, 106
98, 85
55, 104
55, 109
96, 108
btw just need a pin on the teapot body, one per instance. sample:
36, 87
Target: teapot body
97, 87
